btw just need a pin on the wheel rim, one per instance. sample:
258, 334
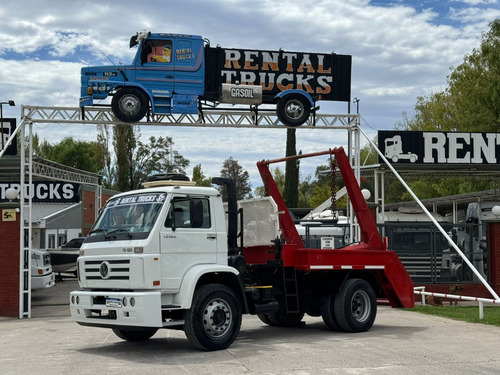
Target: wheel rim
130, 104
360, 306
217, 318
294, 109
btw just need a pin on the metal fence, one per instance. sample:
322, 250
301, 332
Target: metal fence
425, 253
430, 259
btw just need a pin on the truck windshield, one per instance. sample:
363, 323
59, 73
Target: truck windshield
131, 216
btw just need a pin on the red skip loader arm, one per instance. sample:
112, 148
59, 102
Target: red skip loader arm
369, 232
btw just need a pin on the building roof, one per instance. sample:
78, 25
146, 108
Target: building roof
45, 211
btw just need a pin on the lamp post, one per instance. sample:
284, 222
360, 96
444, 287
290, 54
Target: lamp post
11, 103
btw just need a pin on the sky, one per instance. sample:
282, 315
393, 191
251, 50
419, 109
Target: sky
401, 49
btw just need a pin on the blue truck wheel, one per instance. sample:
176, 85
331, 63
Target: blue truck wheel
129, 104
293, 110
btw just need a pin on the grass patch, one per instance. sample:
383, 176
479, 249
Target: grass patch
466, 313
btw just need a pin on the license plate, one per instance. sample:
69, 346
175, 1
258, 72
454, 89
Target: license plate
113, 302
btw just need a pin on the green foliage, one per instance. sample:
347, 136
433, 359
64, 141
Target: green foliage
291, 191
466, 313
232, 169
124, 143
200, 178
77, 154
471, 102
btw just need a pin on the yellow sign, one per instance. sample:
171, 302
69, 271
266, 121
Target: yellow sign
9, 214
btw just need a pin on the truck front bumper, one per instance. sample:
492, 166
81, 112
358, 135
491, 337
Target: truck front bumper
42, 282
116, 309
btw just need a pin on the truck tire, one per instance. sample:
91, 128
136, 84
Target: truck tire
265, 319
284, 319
214, 319
134, 335
293, 110
129, 104
355, 306
328, 312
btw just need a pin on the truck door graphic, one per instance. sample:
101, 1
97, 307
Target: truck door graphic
394, 150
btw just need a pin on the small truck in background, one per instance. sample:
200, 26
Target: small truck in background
171, 256
173, 73
41, 270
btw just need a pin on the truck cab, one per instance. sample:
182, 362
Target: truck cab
167, 71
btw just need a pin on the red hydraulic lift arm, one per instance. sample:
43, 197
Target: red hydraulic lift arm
369, 232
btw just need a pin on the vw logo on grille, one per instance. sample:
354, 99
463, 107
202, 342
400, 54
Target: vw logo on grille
104, 270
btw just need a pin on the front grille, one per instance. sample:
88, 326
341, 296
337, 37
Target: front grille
111, 270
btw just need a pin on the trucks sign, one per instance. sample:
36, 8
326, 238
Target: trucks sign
439, 147
325, 75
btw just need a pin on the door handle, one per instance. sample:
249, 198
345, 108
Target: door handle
211, 236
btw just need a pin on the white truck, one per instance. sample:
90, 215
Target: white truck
165, 257
41, 270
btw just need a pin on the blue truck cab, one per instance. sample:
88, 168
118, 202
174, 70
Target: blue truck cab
168, 71
176, 73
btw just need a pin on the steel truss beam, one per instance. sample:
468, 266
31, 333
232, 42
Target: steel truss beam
209, 118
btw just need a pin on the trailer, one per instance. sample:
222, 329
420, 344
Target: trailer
171, 256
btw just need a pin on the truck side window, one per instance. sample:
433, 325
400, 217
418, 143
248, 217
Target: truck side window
189, 213
157, 51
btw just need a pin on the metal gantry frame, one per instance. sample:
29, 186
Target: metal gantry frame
213, 118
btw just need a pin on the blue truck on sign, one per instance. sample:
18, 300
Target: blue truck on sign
174, 73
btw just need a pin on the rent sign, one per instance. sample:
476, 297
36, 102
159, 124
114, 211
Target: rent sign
439, 147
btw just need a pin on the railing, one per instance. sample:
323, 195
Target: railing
421, 290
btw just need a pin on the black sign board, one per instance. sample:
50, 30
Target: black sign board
7, 127
324, 76
46, 191
439, 147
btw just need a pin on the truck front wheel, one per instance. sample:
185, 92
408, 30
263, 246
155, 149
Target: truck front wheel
355, 306
134, 335
129, 104
214, 319
293, 110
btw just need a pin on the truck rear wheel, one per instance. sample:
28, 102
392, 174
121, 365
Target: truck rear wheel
284, 319
214, 319
129, 104
328, 312
293, 110
355, 306
134, 335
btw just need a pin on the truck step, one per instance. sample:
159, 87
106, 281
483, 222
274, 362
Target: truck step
291, 290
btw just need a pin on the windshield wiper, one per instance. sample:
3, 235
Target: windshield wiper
112, 233
98, 230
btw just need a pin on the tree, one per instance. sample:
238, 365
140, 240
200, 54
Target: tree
279, 179
291, 191
109, 169
232, 169
471, 102
77, 154
124, 143
155, 157
200, 178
